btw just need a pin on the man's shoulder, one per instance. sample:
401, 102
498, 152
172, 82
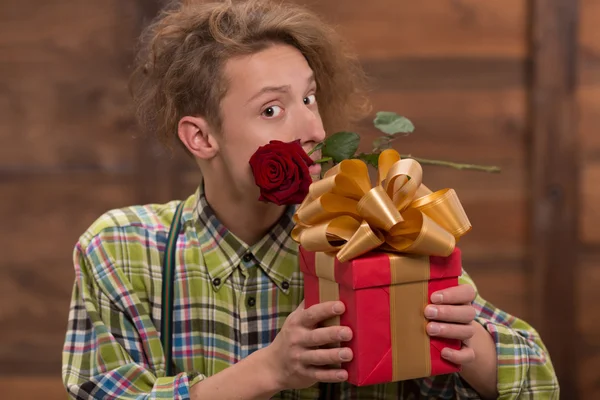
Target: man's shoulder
147, 220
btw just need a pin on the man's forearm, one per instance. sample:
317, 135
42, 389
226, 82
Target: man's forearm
246, 380
481, 374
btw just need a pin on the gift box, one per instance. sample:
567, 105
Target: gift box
385, 295
382, 250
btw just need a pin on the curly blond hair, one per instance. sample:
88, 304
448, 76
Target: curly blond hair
179, 67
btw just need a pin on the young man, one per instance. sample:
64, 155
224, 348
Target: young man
224, 79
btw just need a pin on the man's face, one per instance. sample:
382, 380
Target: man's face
271, 96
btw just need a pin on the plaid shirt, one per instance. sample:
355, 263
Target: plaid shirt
230, 300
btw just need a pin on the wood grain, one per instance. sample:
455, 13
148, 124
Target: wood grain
590, 200
48, 214
33, 387
588, 295
589, 111
555, 185
63, 94
512, 295
589, 367
381, 29
589, 34
588, 98
469, 126
446, 73
588, 298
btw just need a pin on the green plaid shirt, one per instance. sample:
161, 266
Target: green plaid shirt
230, 300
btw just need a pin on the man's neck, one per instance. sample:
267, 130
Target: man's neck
244, 216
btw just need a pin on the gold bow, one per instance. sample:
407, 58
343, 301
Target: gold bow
343, 213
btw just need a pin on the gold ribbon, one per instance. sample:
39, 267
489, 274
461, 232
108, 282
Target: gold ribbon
411, 356
343, 213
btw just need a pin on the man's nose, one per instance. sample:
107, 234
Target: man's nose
312, 127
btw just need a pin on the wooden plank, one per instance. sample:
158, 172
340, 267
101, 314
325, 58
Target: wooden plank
43, 218
455, 124
448, 72
555, 190
383, 29
588, 98
589, 34
588, 300
33, 387
589, 367
589, 215
588, 296
64, 97
514, 297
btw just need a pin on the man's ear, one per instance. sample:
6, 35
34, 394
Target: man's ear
198, 137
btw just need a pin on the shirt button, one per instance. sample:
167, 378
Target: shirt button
217, 281
247, 257
251, 301
285, 285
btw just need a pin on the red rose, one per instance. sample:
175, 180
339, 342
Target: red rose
281, 172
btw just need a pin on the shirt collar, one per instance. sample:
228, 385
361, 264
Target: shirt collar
276, 253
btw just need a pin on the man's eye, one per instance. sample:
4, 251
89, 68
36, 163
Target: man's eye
310, 99
272, 111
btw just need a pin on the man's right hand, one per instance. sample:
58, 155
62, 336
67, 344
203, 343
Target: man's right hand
295, 358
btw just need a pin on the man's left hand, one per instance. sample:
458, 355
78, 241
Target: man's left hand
452, 316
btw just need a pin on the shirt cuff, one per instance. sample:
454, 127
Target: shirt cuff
176, 387
515, 354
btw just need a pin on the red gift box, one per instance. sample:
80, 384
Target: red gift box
385, 296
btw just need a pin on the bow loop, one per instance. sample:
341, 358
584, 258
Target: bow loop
344, 214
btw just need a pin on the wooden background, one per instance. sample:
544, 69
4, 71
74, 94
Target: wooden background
511, 83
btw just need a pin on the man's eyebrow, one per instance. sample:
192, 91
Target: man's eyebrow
270, 89
279, 89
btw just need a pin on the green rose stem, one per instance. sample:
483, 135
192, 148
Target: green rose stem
424, 161
439, 163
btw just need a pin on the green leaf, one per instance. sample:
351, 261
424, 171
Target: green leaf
341, 146
391, 123
370, 158
323, 160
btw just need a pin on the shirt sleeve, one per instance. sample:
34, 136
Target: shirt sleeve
525, 369
112, 349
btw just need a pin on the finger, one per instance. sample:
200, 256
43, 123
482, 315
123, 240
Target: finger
461, 294
458, 314
319, 312
326, 356
328, 375
451, 331
463, 356
323, 336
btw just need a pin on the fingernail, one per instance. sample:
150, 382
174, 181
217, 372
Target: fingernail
431, 312
437, 298
345, 334
433, 329
338, 308
341, 375
345, 355
447, 353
